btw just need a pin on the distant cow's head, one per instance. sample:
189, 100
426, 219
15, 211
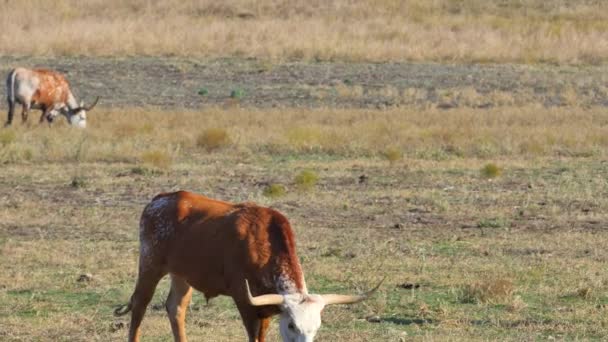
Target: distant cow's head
76, 116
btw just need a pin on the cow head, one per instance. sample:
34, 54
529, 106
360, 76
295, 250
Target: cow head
301, 313
76, 116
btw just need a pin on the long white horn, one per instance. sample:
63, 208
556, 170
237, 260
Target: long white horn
349, 299
267, 299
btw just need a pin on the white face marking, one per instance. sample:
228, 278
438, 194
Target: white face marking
301, 317
78, 119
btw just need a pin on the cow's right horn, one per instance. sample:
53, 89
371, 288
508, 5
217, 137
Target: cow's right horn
91, 106
349, 299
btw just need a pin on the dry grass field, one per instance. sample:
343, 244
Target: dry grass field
555, 31
457, 147
490, 224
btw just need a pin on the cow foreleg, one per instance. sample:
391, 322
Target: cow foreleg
24, 112
177, 304
255, 326
47, 114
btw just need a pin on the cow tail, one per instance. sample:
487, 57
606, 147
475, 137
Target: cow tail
10, 88
123, 309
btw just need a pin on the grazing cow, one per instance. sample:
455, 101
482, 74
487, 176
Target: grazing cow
221, 248
46, 90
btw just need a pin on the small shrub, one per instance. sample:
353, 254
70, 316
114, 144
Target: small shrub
78, 182
159, 159
392, 155
584, 292
493, 291
147, 128
237, 94
497, 222
306, 180
144, 171
203, 92
213, 139
7, 137
491, 171
27, 154
275, 191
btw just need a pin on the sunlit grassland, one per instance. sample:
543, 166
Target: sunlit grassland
158, 138
529, 31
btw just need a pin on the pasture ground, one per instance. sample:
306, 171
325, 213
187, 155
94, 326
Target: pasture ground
479, 191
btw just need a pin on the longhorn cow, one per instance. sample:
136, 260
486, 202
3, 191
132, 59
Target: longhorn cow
221, 248
46, 90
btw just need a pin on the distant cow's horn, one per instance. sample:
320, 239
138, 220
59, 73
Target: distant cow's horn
348, 299
267, 299
91, 106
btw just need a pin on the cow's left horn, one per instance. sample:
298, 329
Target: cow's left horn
91, 106
349, 299
267, 299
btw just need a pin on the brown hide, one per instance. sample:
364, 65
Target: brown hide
53, 88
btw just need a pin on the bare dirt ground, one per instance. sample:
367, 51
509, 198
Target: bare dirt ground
176, 82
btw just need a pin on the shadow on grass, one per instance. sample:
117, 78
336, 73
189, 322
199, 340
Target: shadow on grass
407, 321
477, 322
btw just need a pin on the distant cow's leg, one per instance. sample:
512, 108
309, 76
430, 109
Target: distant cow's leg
11, 112
48, 115
177, 305
45, 113
144, 290
25, 111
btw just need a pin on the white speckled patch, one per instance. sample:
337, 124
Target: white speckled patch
285, 285
158, 212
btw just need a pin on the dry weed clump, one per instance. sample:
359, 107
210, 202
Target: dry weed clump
393, 155
491, 170
274, 191
157, 158
311, 138
213, 138
490, 291
306, 180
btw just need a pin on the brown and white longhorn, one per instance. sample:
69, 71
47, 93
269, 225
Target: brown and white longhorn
46, 90
228, 249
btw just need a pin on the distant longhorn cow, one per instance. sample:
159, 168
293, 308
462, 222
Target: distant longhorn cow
221, 248
46, 90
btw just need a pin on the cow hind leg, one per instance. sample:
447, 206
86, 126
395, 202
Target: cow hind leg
144, 290
177, 305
